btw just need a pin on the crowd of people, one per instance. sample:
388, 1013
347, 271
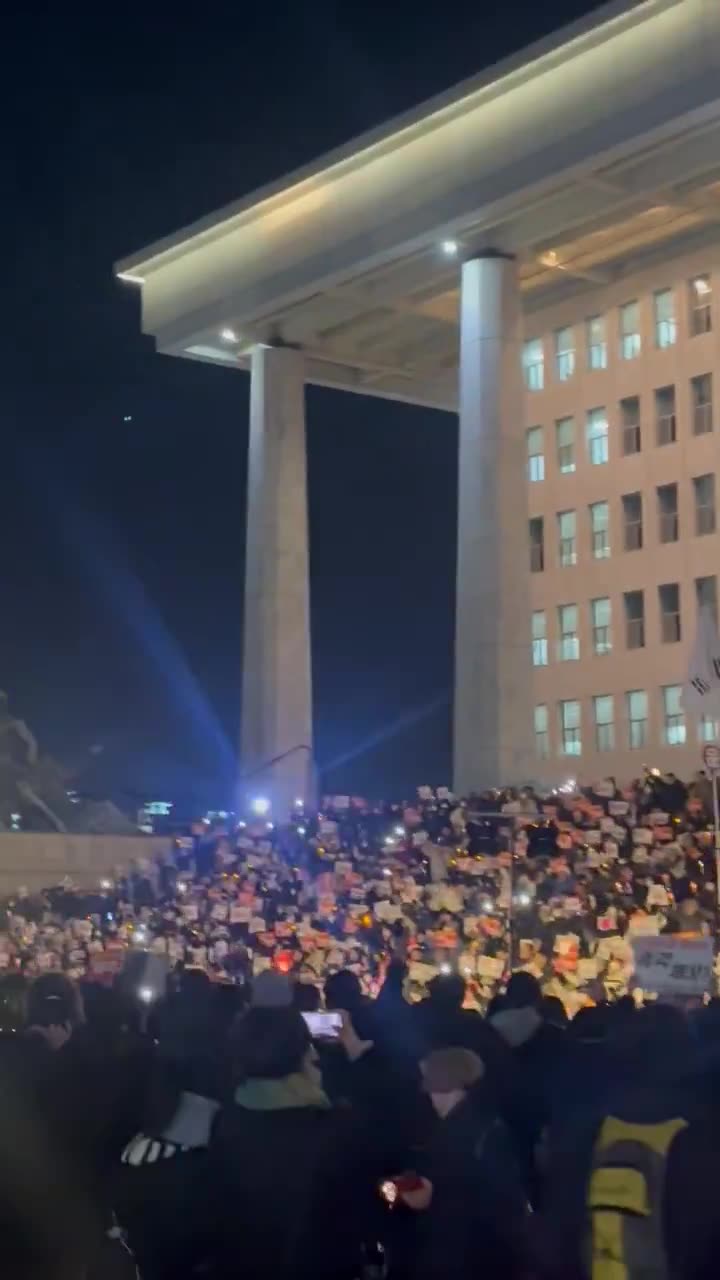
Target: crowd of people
340, 1047
557, 884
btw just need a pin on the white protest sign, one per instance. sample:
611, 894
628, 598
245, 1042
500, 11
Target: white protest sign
674, 966
618, 808
643, 926
642, 835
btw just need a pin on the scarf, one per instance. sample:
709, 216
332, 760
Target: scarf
296, 1090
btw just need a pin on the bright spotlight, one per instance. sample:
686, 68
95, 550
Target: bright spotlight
228, 335
449, 247
260, 806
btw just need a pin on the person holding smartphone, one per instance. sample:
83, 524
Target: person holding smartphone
466, 1194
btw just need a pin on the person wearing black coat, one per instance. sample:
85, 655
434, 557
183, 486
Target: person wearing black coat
294, 1180
469, 1208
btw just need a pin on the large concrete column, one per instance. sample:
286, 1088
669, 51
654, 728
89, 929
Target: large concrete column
276, 744
493, 700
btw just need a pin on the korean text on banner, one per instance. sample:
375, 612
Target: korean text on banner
673, 966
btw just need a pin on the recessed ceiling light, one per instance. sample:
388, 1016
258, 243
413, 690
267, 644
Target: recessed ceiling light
228, 335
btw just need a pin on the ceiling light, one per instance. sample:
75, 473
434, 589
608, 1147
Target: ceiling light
449, 247
228, 335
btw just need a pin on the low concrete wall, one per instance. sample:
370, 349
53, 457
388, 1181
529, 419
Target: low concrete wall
39, 861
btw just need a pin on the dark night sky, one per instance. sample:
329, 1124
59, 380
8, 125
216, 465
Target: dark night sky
121, 543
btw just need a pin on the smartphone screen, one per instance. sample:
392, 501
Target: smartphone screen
325, 1026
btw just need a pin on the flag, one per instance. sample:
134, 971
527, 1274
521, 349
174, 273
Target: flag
702, 689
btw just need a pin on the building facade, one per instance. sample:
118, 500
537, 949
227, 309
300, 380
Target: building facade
623, 543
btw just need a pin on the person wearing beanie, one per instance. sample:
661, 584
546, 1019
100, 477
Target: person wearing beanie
469, 1207
540, 1051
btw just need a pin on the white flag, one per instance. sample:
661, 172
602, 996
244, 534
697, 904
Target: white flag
702, 690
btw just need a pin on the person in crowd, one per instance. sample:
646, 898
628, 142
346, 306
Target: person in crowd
538, 1049
294, 1178
630, 1184
162, 1192
467, 1197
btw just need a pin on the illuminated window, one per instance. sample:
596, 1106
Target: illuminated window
600, 530
542, 732
673, 716
539, 639
707, 729
596, 344
535, 454
630, 331
568, 643
604, 715
665, 325
636, 702
597, 436
564, 354
534, 364
565, 443
600, 618
570, 736
700, 305
567, 531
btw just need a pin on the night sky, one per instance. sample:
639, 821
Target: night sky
122, 541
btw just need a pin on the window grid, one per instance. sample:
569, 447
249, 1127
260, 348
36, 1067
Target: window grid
542, 732
537, 544
534, 364
630, 418
700, 305
570, 734
565, 442
567, 533
632, 521
630, 331
600, 530
665, 420
535, 454
634, 602
674, 732
564, 354
539, 639
668, 524
601, 617
603, 712
702, 411
637, 717
597, 436
596, 344
569, 642
704, 490
665, 323
670, 625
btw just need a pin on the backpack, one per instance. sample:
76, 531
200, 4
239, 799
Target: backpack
625, 1195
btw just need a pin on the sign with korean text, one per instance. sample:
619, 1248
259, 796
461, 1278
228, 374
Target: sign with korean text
673, 966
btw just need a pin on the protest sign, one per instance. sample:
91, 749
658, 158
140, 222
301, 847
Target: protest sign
673, 966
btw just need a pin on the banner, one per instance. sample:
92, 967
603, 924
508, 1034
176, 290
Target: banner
673, 966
